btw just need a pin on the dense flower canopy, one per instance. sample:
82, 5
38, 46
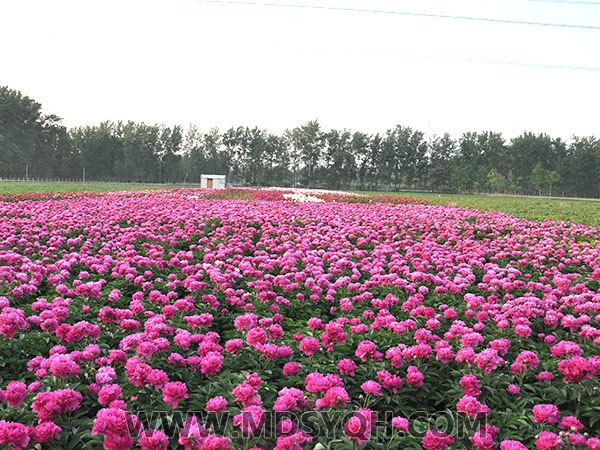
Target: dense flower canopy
279, 321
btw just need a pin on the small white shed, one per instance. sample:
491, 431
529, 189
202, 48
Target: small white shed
212, 181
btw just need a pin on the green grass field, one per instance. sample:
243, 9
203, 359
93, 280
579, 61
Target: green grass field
9, 187
585, 211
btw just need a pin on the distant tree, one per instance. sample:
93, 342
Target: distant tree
170, 154
340, 164
308, 141
217, 160
552, 177
467, 162
247, 151
497, 181
100, 149
527, 150
404, 156
305, 155
492, 151
442, 151
277, 161
142, 150
360, 150
539, 177
193, 154
580, 168
28, 137
462, 179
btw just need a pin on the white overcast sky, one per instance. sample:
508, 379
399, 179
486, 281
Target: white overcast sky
222, 64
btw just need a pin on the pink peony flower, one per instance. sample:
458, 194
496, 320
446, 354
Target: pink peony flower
250, 419
192, 434
546, 413
174, 392
216, 404
309, 346
436, 440
291, 368
400, 423
109, 393
471, 406
211, 364
414, 376
371, 387
153, 440
366, 349
513, 389
11, 321
485, 437
45, 431
116, 425
511, 445
13, 434
15, 393
570, 423
548, 441
471, 385
48, 405
334, 397
359, 426
346, 367
294, 441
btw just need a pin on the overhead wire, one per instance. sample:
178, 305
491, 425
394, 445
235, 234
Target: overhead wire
408, 13
569, 2
442, 16
504, 63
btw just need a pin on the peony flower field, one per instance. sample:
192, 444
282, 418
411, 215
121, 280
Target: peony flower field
267, 319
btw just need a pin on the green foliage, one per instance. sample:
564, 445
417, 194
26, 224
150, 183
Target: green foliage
11, 188
532, 208
305, 156
28, 137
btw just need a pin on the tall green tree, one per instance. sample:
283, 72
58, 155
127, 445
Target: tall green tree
579, 170
308, 141
442, 151
100, 149
247, 151
539, 177
340, 163
529, 149
404, 156
170, 154
360, 148
277, 161
28, 138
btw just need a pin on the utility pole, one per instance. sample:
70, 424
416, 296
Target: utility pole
27, 172
84, 174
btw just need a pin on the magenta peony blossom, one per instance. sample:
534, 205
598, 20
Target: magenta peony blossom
436, 440
400, 423
15, 393
546, 413
547, 440
174, 392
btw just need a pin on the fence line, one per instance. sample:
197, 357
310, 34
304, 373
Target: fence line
380, 189
79, 181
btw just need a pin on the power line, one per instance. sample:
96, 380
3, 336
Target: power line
569, 2
410, 13
504, 63
469, 60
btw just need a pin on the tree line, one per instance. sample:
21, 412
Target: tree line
306, 155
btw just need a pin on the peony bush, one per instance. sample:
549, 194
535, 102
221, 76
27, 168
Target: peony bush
267, 319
